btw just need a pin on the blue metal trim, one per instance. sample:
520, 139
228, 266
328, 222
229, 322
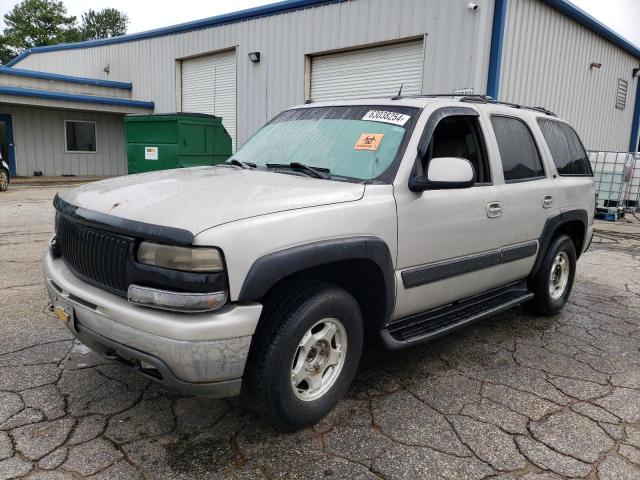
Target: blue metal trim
583, 18
635, 126
11, 161
261, 11
74, 97
16, 72
495, 54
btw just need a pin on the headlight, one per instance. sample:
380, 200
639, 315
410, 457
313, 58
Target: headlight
188, 259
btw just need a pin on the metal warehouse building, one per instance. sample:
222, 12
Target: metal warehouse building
61, 107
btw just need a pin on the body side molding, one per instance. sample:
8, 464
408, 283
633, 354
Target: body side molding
269, 269
433, 272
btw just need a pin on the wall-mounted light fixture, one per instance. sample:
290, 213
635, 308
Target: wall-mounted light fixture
472, 6
594, 65
254, 57
636, 72
106, 69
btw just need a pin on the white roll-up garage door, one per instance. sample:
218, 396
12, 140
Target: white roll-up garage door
369, 72
209, 86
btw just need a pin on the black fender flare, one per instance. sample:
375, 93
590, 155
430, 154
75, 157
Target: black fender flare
268, 270
551, 225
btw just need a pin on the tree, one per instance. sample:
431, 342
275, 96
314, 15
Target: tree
5, 53
35, 23
106, 23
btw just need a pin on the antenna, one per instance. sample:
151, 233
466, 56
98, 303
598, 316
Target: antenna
399, 95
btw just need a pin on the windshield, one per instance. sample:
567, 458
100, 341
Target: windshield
356, 142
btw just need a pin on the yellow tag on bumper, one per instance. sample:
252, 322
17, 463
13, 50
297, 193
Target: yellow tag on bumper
61, 314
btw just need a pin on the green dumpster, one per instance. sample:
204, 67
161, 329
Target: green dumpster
175, 140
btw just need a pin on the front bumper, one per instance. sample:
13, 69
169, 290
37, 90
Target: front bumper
203, 354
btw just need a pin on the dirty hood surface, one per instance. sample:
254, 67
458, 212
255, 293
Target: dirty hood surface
195, 199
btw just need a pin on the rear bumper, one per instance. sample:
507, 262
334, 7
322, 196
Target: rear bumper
202, 354
588, 239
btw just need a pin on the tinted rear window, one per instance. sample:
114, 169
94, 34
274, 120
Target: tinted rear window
566, 149
518, 151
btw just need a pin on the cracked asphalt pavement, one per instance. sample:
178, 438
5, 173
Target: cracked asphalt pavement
514, 397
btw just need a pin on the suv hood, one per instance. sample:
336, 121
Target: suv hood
198, 198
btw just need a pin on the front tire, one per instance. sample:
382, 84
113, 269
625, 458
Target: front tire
4, 180
305, 352
553, 283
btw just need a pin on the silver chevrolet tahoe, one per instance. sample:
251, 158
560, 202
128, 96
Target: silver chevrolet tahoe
399, 219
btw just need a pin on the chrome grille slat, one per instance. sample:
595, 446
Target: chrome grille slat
96, 255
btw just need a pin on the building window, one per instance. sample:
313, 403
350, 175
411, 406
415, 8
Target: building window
81, 136
621, 94
518, 150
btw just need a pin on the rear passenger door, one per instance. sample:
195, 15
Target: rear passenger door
527, 191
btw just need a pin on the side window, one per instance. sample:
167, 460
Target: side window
518, 151
460, 136
566, 149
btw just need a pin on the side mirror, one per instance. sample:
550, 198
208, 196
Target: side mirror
443, 173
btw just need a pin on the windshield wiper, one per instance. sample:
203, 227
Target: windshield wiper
240, 164
317, 172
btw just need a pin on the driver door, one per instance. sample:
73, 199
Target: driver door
449, 239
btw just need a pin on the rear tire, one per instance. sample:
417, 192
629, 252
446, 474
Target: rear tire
553, 283
4, 179
305, 352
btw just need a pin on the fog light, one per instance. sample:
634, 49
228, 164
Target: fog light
176, 301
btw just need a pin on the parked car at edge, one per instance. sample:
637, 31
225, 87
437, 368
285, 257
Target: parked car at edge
402, 219
4, 174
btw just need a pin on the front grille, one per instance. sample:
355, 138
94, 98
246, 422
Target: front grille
98, 256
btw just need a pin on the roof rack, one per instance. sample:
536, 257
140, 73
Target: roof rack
488, 99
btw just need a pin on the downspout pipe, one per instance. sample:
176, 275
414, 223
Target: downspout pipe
497, 40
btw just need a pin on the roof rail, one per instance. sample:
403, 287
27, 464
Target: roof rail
488, 99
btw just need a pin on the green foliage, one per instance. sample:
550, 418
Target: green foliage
106, 23
36, 23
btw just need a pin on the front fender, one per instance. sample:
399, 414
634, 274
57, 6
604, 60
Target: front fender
270, 269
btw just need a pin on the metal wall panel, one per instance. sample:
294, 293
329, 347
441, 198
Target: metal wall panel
545, 62
209, 86
372, 72
456, 53
59, 86
39, 140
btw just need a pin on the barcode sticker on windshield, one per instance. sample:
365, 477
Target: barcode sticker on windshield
386, 117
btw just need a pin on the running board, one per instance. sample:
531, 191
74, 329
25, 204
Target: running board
440, 321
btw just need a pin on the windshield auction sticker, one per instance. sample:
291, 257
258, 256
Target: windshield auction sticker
386, 117
369, 141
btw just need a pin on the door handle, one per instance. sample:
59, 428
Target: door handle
494, 209
547, 201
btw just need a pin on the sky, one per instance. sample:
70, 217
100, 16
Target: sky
623, 16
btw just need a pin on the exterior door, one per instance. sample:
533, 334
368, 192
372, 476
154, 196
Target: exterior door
209, 86
6, 142
368, 72
528, 191
450, 241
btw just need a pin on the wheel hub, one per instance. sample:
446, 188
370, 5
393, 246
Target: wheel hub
319, 359
559, 277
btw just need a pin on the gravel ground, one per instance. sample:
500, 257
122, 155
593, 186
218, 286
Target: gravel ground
516, 396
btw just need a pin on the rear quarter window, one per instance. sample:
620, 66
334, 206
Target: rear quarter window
566, 149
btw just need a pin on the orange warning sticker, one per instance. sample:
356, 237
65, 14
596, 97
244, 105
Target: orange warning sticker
369, 141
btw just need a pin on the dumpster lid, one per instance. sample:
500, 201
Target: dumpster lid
189, 114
